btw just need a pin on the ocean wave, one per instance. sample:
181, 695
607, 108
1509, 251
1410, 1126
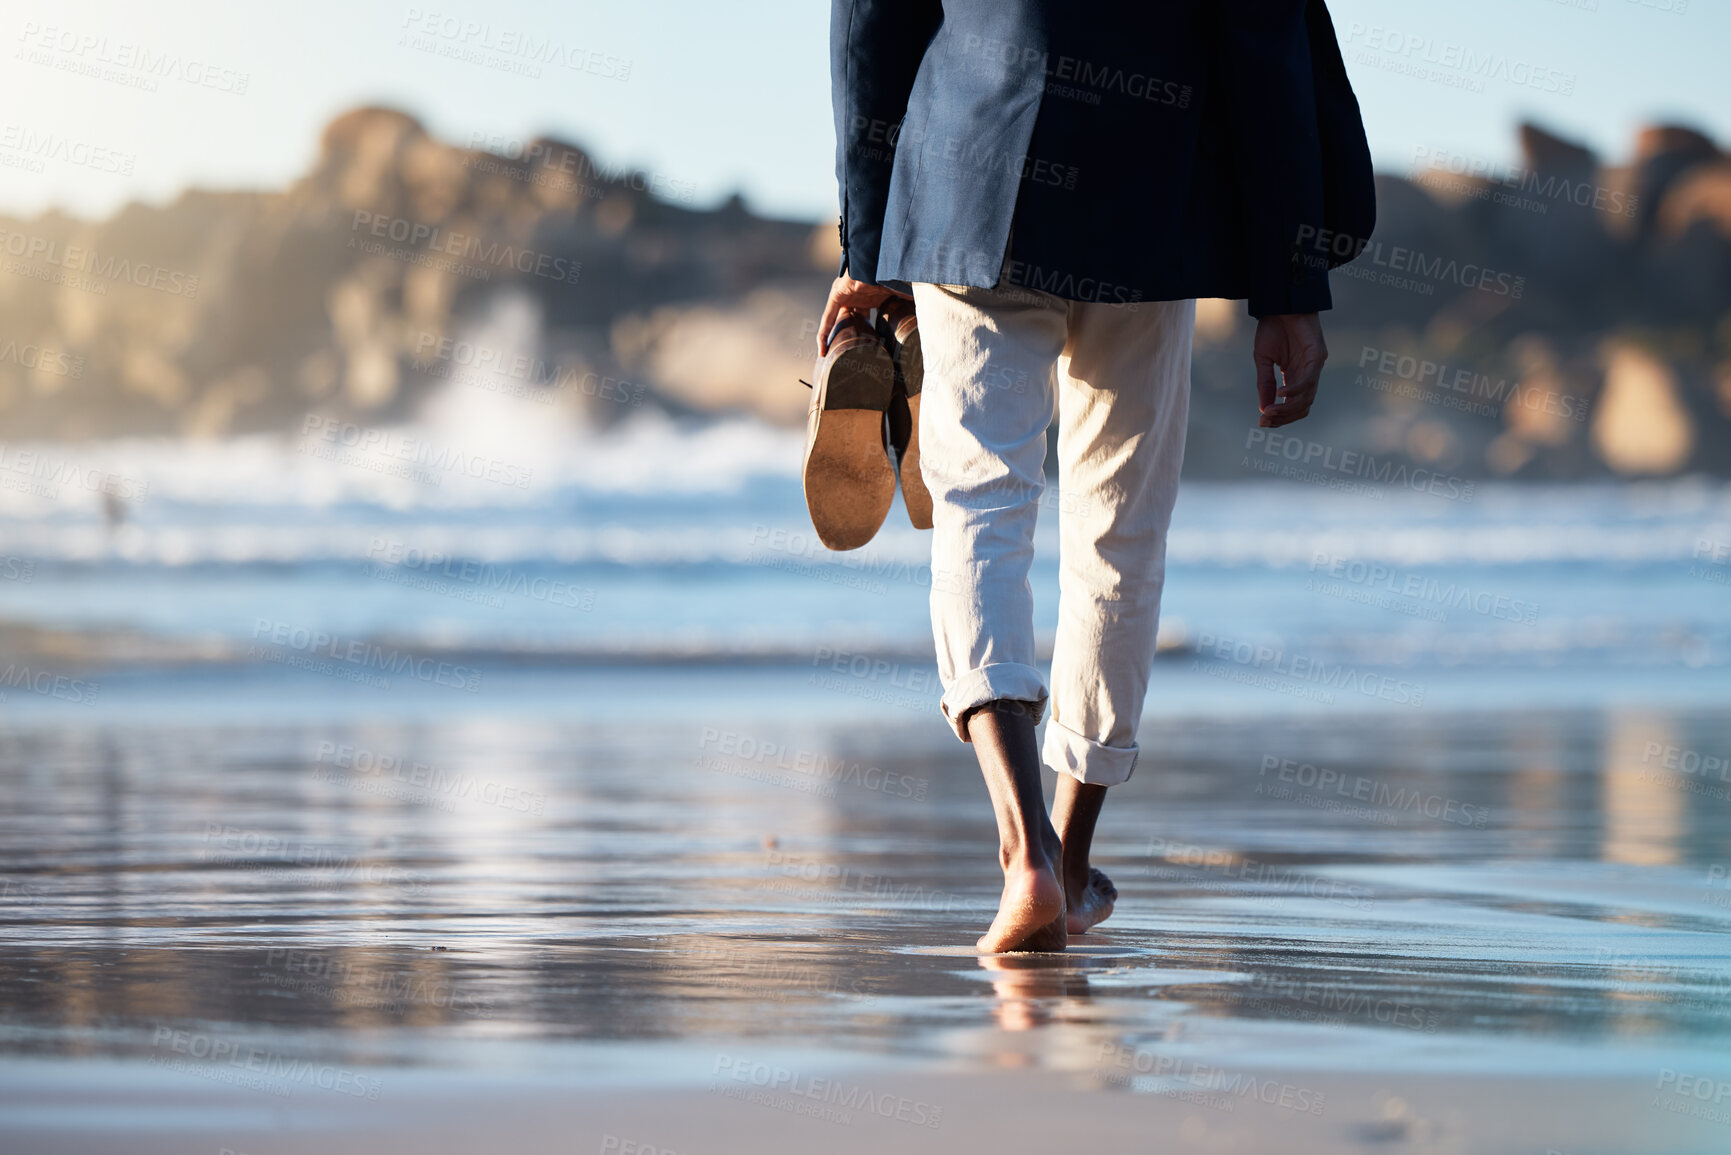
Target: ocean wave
712, 533
660, 491
445, 466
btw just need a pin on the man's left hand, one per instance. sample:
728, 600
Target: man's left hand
1293, 341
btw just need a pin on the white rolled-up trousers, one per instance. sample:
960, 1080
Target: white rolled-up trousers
998, 363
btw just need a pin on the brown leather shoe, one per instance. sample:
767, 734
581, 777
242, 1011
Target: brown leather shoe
900, 331
848, 477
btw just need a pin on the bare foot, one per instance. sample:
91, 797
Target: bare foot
1030, 914
1091, 904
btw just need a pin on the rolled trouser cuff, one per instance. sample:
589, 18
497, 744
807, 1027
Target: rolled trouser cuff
1000, 680
1086, 760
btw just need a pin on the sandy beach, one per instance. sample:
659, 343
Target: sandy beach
539, 923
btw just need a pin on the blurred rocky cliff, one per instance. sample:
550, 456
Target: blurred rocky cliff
398, 265
1561, 319
1565, 319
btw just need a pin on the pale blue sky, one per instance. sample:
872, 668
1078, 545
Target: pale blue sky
723, 96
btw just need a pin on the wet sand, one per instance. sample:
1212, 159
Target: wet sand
532, 924
1016, 1110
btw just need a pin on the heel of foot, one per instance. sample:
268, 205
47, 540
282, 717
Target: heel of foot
1030, 916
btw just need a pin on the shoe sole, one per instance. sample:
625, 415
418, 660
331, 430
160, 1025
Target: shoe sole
847, 475
915, 495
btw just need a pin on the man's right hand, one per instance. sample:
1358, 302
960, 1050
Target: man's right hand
847, 295
1292, 341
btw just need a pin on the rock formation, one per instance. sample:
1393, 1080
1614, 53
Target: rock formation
1563, 319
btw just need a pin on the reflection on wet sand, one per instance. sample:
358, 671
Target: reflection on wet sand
1394, 895
1034, 990
1642, 824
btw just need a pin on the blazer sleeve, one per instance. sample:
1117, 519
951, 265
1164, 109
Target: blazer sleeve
1264, 65
875, 51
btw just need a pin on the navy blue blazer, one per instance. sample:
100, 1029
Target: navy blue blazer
1112, 150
